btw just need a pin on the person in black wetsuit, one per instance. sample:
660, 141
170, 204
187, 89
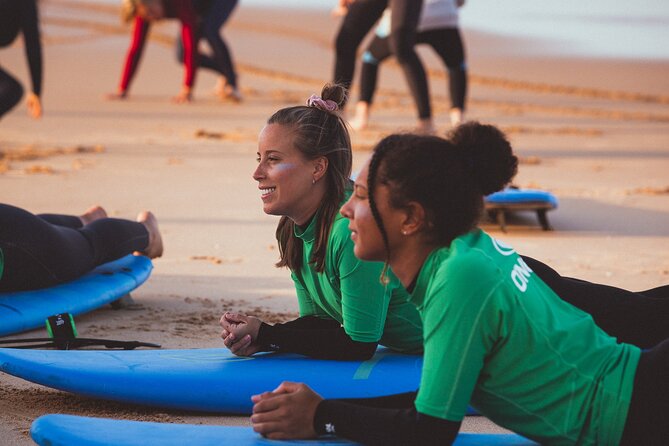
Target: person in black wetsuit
20, 16
360, 16
214, 14
38, 251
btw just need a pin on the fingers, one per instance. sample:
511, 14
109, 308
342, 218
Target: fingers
234, 318
288, 387
240, 347
270, 430
229, 321
262, 396
269, 402
229, 339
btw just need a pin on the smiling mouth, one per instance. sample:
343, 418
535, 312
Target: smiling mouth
266, 191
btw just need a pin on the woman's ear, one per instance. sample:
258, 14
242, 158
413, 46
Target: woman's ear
320, 168
414, 218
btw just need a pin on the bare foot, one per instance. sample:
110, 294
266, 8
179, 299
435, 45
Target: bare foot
457, 116
155, 247
361, 118
92, 213
231, 93
425, 127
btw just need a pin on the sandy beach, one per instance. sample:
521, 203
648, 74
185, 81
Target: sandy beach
595, 132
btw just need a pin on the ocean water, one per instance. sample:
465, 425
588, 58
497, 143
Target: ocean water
637, 29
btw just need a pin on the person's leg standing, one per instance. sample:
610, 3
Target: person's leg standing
218, 14
361, 16
377, 51
404, 20
447, 43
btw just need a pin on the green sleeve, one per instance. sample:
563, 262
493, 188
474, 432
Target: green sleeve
363, 298
306, 305
458, 312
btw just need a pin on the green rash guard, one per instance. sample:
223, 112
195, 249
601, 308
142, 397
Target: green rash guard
499, 338
349, 291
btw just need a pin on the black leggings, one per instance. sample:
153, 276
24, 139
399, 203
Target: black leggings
361, 16
45, 250
648, 416
11, 92
447, 43
638, 318
212, 22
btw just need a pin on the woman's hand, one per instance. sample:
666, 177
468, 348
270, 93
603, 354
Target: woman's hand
286, 412
34, 105
240, 333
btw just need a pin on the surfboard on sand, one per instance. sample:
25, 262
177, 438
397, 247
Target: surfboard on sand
210, 380
66, 430
25, 310
513, 199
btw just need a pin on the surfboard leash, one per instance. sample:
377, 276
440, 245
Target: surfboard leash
63, 336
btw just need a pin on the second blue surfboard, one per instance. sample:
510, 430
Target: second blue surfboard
67, 430
25, 310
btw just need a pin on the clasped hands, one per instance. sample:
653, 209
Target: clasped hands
240, 333
286, 412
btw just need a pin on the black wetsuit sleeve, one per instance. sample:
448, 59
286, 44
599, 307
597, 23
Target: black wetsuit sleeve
391, 420
315, 337
31, 35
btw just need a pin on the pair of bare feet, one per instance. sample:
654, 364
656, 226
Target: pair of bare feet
425, 126
155, 247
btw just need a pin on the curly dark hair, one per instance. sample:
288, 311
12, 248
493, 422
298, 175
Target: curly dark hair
318, 132
448, 177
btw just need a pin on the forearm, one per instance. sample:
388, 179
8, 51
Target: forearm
314, 337
383, 426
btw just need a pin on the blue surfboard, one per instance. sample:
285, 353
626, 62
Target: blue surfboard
513, 199
210, 380
67, 430
25, 310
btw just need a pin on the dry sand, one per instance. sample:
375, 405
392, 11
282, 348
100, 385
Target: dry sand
594, 132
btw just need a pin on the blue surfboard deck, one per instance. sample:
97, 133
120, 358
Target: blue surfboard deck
513, 199
210, 380
68, 430
512, 195
25, 310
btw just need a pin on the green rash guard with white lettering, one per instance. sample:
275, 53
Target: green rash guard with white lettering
349, 291
499, 338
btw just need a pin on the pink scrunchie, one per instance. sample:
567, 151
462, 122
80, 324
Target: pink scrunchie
323, 104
